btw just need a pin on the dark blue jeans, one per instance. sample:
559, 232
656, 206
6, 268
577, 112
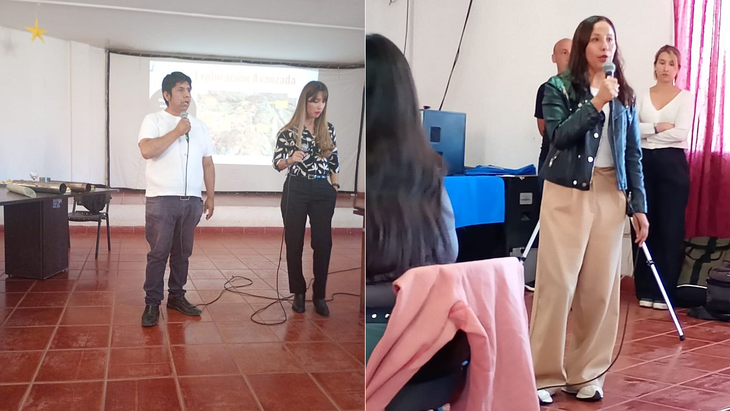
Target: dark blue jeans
169, 228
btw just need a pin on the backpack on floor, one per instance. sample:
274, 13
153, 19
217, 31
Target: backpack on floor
718, 289
717, 306
701, 255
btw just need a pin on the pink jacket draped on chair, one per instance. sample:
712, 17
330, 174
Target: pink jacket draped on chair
485, 299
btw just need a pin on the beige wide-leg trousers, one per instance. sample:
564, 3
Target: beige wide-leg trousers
578, 266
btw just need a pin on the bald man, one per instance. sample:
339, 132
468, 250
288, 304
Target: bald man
561, 57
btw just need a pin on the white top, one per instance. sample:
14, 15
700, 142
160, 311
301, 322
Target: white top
604, 157
679, 112
166, 173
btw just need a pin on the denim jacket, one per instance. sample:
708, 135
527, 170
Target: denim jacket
574, 128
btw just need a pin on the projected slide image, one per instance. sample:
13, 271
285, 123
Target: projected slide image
245, 124
243, 106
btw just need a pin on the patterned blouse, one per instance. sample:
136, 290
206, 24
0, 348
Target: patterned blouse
313, 164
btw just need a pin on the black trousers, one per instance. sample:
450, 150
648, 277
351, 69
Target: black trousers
666, 178
316, 199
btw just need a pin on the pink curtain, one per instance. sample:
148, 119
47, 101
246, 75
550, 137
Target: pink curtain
704, 43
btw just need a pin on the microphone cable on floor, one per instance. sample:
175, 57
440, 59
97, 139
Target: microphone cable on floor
228, 285
620, 346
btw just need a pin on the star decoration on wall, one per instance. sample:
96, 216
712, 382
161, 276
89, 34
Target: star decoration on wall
36, 32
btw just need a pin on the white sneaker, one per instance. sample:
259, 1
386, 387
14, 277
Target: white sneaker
660, 306
570, 389
646, 303
590, 393
544, 397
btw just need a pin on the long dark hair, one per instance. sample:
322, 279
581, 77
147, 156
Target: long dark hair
578, 65
404, 174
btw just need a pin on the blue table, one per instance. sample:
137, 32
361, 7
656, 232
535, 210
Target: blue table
476, 199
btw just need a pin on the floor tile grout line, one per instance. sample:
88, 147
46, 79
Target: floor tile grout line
4, 322
671, 386
168, 344
670, 333
250, 387
642, 396
108, 352
339, 343
725, 343
113, 274
311, 377
238, 367
704, 376
284, 343
183, 377
674, 385
684, 366
690, 351
614, 406
43, 356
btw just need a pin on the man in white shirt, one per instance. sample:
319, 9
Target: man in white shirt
179, 156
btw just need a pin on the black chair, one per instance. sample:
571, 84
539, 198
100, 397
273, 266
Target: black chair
439, 381
97, 209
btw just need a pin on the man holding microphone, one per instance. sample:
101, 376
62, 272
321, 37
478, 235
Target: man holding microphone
179, 151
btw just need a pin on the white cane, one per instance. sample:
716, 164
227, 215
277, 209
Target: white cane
532, 240
649, 261
659, 283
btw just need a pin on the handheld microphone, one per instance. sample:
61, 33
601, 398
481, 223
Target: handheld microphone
610, 69
305, 149
184, 114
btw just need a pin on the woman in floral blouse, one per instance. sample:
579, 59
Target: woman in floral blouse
306, 147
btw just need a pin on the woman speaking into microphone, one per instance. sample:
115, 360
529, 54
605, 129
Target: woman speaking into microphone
592, 170
306, 146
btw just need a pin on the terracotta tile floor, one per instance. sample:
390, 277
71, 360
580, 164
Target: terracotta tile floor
74, 342
657, 372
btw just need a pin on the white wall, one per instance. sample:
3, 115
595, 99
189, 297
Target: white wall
52, 111
505, 56
88, 113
